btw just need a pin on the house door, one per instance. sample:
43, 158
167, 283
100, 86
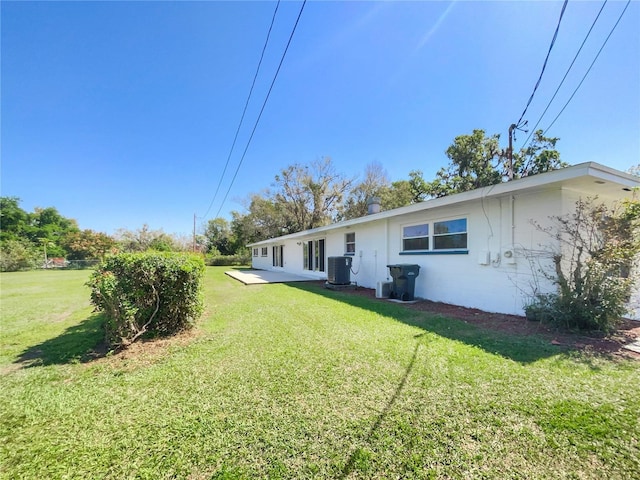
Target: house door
278, 256
314, 255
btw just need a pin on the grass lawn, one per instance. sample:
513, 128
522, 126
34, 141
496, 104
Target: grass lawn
295, 381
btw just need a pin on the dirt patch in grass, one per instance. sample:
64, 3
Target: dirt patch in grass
148, 351
612, 344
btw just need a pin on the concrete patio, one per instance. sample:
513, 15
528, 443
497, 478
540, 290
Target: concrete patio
255, 277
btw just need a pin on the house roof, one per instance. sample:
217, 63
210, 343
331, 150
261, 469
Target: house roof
590, 176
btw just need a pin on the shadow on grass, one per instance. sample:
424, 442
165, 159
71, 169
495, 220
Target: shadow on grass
519, 348
357, 454
79, 343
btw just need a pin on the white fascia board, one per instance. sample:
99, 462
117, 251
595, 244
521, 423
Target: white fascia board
543, 180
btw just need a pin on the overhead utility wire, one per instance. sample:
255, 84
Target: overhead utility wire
255, 126
590, 66
553, 41
235, 138
532, 131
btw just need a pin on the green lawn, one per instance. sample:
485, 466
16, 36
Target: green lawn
295, 381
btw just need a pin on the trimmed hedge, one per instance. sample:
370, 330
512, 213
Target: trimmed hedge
152, 294
229, 260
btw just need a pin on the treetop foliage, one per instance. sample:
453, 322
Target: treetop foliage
478, 161
303, 197
32, 239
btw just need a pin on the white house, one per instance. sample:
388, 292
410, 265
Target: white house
476, 249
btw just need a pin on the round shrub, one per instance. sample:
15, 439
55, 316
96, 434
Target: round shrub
147, 294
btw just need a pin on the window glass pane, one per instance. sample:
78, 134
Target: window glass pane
458, 240
416, 243
416, 231
350, 242
321, 255
450, 226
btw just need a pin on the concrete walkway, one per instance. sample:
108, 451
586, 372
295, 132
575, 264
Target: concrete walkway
254, 277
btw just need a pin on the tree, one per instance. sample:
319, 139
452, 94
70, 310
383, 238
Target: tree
399, 194
145, 239
45, 233
374, 184
164, 242
418, 187
47, 227
478, 161
88, 245
43, 226
310, 194
475, 162
540, 156
13, 219
219, 236
48, 223
265, 219
18, 254
405, 192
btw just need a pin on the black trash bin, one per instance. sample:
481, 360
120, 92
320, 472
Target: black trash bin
404, 280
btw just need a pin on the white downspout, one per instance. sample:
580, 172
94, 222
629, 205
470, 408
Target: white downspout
513, 220
387, 248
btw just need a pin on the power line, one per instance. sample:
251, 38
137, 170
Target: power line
235, 138
553, 41
263, 106
565, 75
590, 66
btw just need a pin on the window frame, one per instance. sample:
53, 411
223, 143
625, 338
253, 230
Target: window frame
314, 254
350, 246
450, 234
432, 237
416, 237
264, 252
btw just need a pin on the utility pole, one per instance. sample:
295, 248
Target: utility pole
511, 129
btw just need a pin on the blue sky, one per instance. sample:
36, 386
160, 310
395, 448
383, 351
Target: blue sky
123, 113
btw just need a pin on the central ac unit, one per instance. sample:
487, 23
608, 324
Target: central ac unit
339, 271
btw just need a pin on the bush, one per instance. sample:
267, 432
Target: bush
594, 269
599, 304
151, 294
18, 255
228, 260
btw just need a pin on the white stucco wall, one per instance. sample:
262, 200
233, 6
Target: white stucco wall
500, 229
